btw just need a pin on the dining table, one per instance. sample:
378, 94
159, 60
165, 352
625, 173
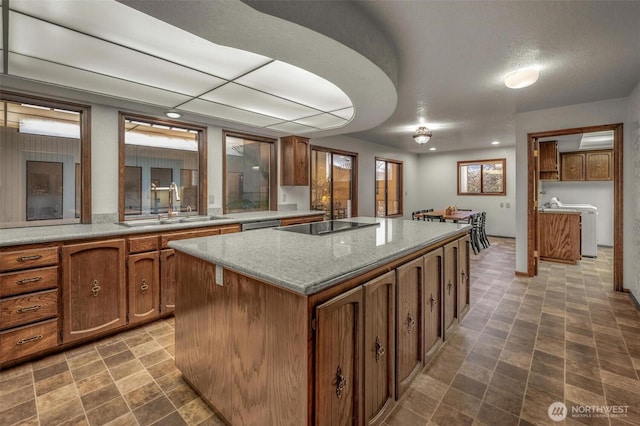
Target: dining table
456, 216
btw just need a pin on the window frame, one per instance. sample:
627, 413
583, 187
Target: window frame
400, 165
354, 181
85, 141
202, 157
273, 166
481, 163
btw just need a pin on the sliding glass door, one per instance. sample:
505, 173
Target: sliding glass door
333, 183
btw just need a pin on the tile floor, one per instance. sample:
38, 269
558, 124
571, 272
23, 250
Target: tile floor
562, 336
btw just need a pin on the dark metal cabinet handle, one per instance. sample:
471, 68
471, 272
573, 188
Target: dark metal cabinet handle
434, 302
28, 280
144, 286
95, 288
28, 309
28, 339
27, 258
379, 349
410, 322
341, 383
449, 287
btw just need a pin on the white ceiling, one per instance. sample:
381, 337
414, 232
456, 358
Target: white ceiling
445, 59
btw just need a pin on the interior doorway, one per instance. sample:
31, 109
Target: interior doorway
533, 231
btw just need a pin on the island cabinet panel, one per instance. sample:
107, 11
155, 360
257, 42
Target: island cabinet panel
464, 288
94, 295
144, 287
167, 281
410, 323
241, 347
433, 276
339, 366
450, 285
379, 347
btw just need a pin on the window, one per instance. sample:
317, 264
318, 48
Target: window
388, 188
482, 177
44, 162
154, 155
333, 183
249, 173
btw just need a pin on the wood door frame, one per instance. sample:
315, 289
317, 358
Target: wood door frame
618, 210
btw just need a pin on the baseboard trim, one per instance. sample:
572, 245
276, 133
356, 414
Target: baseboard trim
521, 274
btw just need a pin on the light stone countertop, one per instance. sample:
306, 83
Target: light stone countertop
307, 264
53, 233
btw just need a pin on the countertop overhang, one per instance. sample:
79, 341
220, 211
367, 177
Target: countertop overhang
307, 264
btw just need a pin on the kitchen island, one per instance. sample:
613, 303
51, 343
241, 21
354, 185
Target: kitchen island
277, 327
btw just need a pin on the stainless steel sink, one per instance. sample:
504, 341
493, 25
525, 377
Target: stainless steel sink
166, 221
202, 218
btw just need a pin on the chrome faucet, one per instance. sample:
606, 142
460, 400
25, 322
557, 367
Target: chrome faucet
173, 192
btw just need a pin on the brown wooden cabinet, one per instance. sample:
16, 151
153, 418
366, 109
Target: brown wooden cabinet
410, 323
560, 236
587, 165
549, 160
167, 281
433, 275
301, 220
450, 285
379, 348
573, 166
294, 155
94, 288
28, 302
144, 287
599, 165
339, 367
464, 294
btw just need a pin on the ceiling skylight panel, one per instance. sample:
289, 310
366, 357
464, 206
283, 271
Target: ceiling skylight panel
290, 127
225, 112
296, 84
36, 69
346, 113
323, 121
262, 103
50, 42
124, 25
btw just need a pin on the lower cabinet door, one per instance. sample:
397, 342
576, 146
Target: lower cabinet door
167, 281
450, 284
379, 347
93, 288
433, 299
410, 323
339, 333
464, 288
144, 297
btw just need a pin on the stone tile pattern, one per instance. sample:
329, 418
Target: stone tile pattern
526, 342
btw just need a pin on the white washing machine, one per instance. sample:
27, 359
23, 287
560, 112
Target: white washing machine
589, 229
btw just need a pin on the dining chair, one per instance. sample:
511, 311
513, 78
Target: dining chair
475, 233
483, 233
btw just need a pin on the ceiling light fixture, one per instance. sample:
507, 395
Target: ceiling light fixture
173, 114
433, 148
495, 143
422, 135
524, 77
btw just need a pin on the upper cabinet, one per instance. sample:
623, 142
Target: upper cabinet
587, 165
294, 157
549, 160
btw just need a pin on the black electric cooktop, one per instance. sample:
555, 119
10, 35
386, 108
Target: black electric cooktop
326, 227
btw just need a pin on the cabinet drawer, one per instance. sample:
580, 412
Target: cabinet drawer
28, 340
229, 229
27, 281
189, 234
33, 307
142, 244
31, 258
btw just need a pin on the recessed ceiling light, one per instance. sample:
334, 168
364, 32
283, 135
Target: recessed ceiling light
521, 78
433, 148
173, 114
495, 143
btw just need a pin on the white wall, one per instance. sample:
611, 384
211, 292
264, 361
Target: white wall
104, 162
589, 114
599, 194
632, 195
438, 180
367, 153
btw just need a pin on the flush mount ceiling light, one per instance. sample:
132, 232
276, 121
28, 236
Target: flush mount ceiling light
422, 135
524, 77
495, 143
173, 114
